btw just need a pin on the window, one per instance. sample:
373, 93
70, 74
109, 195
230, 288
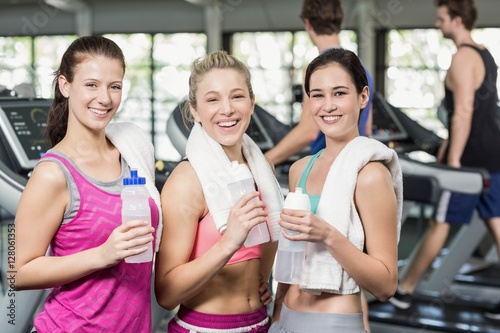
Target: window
156, 78
277, 61
417, 61
15, 62
172, 58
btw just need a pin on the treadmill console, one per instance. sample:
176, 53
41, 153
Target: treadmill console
22, 126
386, 126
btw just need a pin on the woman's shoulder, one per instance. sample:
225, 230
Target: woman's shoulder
374, 174
183, 189
297, 168
48, 175
183, 177
300, 165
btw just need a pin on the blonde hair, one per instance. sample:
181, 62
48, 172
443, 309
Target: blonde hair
201, 66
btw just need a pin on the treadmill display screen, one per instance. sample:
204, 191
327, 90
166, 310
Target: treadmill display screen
386, 126
23, 124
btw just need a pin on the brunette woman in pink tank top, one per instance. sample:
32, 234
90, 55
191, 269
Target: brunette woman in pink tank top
93, 289
213, 277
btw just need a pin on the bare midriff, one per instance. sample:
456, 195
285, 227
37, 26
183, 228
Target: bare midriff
302, 301
234, 290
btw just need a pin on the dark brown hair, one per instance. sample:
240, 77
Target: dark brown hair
325, 16
465, 9
346, 59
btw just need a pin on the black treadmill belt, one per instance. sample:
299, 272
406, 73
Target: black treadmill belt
434, 314
489, 277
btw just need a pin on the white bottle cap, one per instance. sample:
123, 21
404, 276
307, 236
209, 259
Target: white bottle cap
297, 200
238, 172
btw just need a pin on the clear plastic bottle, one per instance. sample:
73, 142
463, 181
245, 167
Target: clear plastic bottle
242, 183
135, 206
291, 254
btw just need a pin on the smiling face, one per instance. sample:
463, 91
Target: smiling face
334, 102
223, 105
95, 93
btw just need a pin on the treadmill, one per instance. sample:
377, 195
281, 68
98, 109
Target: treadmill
22, 123
435, 308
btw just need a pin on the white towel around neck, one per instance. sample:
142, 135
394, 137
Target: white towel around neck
137, 149
210, 163
322, 273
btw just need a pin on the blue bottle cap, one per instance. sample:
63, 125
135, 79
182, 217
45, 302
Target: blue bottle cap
134, 179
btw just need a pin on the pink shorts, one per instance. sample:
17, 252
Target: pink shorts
189, 321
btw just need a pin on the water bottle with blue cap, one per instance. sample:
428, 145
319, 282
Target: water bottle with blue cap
135, 206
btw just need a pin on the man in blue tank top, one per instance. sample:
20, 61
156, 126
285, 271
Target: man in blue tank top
474, 139
322, 20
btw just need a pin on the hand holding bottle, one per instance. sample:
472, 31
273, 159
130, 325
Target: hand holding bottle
291, 253
135, 206
246, 213
131, 238
242, 183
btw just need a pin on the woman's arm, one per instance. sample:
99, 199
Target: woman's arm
375, 199
376, 271
176, 278
38, 218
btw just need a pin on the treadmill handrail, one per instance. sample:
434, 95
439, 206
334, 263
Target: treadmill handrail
12, 185
464, 180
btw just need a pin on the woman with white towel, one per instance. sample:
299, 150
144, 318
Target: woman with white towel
72, 203
202, 264
355, 190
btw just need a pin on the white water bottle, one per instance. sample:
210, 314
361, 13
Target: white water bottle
135, 206
291, 254
242, 183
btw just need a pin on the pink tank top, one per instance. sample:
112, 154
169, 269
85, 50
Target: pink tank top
207, 235
116, 299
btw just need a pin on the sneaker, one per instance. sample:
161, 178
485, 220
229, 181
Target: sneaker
401, 300
493, 313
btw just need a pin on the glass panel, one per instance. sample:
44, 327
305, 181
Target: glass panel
136, 99
135, 47
136, 104
48, 53
268, 50
303, 52
415, 92
136, 110
419, 48
178, 49
349, 40
269, 58
171, 86
172, 56
417, 63
277, 61
15, 63
271, 88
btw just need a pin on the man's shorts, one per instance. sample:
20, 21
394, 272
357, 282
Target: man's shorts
457, 208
